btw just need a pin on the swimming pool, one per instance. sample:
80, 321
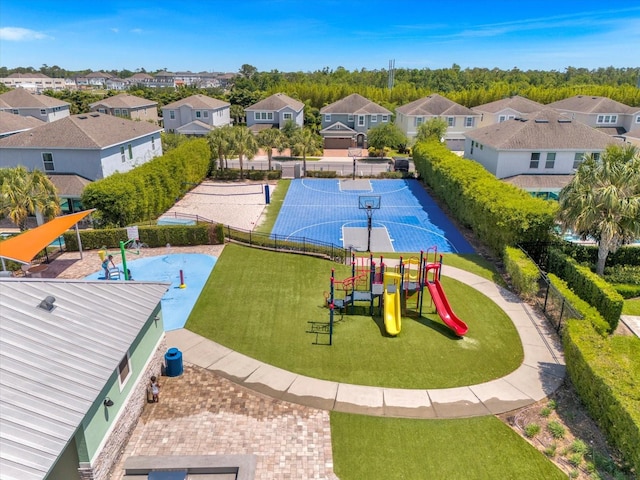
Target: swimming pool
178, 302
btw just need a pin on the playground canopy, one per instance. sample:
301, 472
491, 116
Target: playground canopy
24, 247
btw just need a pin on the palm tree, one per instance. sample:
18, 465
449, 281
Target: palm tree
219, 143
24, 193
242, 142
603, 200
272, 138
305, 141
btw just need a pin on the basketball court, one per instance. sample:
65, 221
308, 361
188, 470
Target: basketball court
374, 215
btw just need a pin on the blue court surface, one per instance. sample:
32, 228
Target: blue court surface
321, 209
178, 302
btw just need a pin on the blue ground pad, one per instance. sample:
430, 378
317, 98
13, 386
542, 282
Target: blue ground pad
178, 302
318, 209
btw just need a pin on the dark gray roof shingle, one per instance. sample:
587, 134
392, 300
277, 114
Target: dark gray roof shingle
277, 102
435, 105
354, 104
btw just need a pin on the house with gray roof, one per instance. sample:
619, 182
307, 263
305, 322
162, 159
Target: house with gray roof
274, 112
345, 123
92, 145
459, 118
196, 115
611, 117
75, 361
127, 106
21, 102
506, 109
11, 124
542, 143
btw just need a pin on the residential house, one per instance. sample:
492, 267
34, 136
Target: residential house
506, 109
69, 188
11, 124
76, 361
274, 112
93, 80
127, 106
21, 102
613, 118
115, 83
345, 123
92, 145
542, 143
459, 119
164, 79
140, 78
34, 82
196, 115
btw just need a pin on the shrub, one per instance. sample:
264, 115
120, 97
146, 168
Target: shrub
523, 272
321, 174
256, 174
545, 412
500, 214
588, 286
550, 451
606, 375
627, 255
628, 274
556, 429
531, 430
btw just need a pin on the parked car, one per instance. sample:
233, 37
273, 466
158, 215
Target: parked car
401, 164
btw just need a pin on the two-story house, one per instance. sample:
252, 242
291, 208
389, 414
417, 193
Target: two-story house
459, 118
506, 109
21, 102
542, 143
345, 123
92, 145
127, 106
613, 118
196, 115
33, 82
274, 112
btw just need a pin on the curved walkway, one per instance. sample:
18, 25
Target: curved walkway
541, 372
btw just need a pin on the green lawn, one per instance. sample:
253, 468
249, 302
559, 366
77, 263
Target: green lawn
273, 209
470, 448
259, 303
631, 307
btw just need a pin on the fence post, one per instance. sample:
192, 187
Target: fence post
561, 313
546, 296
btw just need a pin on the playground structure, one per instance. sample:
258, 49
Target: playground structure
115, 273
393, 289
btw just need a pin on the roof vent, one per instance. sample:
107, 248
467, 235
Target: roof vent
564, 120
542, 120
94, 115
82, 117
48, 303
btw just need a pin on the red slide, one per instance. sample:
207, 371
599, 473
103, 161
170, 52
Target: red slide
444, 309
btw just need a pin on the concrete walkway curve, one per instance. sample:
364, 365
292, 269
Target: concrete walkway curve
540, 374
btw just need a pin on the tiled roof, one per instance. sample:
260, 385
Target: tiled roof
10, 122
20, 98
543, 130
198, 102
277, 102
91, 131
69, 185
355, 104
517, 103
635, 133
124, 100
590, 104
435, 104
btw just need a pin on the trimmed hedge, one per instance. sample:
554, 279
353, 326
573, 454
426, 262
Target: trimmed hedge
153, 236
606, 375
500, 214
627, 255
523, 272
149, 190
588, 286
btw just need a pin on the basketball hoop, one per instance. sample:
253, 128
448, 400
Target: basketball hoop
354, 152
369, 203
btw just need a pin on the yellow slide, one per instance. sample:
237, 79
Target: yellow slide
391, 301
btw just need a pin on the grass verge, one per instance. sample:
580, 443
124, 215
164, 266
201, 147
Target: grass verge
272, 211
631, 307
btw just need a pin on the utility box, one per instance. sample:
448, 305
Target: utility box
173, 360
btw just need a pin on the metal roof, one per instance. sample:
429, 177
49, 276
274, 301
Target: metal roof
54, 364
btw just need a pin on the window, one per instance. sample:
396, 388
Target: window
374, 118
551, 160
327, 118
172, 114
596, 156
468, 122
350, 118
15, 111
535, 160
385, 118
417, 121
361, 120
102, 110
578, 159
607, 119
122, 157
124, 370
125, 112
116, 112
153, 143
501, 118
130, 152
638, 119
47, 161
198, 114
205, 114
263, 115
451, 121
43, 111
287, 116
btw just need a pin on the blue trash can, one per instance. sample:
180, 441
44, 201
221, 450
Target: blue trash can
173, 359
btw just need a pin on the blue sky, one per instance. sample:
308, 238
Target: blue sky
307, 35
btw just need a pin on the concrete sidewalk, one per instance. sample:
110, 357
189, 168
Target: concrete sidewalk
541, 372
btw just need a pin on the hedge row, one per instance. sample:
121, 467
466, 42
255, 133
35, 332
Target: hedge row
234, 174
606, 375
588, 286
627, 255
149, 190
500, 214
523, 271
153, 236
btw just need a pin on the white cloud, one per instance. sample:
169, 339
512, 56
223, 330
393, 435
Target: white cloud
17, 34
115, 30
137, 31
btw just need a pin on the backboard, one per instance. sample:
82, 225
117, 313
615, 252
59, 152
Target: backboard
369, 202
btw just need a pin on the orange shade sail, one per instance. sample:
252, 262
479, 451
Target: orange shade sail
24, 247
